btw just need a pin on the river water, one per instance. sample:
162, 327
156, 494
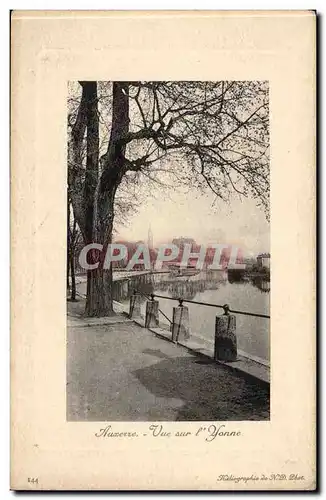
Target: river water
251, 295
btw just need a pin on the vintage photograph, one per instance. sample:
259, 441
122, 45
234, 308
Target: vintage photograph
168, 251
161, 337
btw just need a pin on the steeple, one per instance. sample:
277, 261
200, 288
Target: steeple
150, 237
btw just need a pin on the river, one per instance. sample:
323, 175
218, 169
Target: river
216, 287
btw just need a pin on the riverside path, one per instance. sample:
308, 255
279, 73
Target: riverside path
119, 371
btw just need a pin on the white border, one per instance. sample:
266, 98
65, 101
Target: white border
319, 5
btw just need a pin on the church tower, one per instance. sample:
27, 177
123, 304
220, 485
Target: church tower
150, 238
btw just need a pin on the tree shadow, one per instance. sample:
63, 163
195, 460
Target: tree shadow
208, 391
156, 353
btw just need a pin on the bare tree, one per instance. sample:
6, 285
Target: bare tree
212, 135
73, 238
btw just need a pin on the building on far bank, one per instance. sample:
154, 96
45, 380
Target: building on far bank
182, 241
264, 260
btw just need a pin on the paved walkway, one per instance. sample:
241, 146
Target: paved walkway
120, 371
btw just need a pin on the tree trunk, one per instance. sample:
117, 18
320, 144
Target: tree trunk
99, 293
99, 281
99, 301
73, 276
68, 243
92, 159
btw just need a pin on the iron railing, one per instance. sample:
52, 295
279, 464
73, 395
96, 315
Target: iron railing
225, 307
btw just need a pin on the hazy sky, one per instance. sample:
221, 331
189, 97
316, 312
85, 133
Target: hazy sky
192, 215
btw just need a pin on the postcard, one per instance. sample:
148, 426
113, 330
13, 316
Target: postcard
163, 250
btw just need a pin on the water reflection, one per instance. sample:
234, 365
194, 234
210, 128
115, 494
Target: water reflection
236, 275
261, 283
182, 286
173, 286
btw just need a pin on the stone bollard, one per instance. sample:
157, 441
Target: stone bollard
151, 319
134, 305
225, 337
180, 323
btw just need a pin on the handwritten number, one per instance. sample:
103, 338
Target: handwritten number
33, 480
